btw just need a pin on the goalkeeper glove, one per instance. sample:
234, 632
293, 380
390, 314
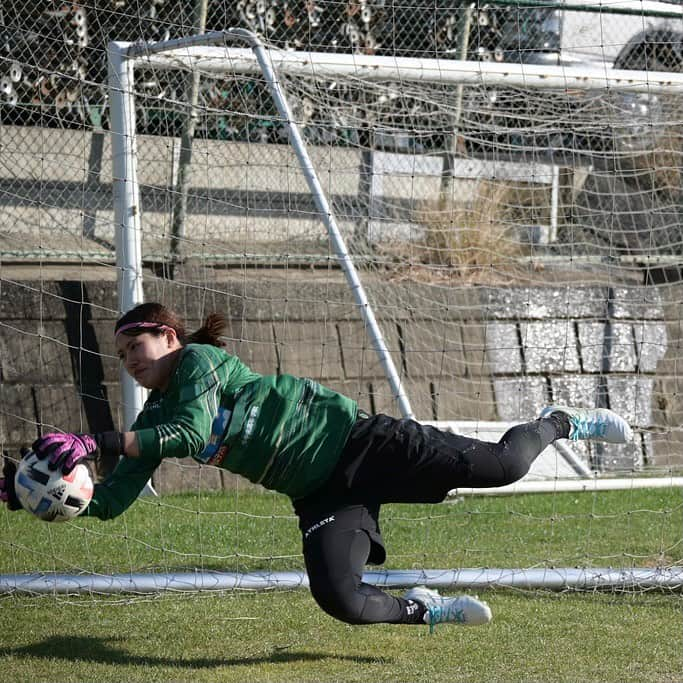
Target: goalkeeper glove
65, 451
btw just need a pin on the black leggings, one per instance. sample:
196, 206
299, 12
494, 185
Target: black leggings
400, 461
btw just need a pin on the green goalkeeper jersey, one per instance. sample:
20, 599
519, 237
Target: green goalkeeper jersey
283, 432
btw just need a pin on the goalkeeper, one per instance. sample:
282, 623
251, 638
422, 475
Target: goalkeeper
337, 463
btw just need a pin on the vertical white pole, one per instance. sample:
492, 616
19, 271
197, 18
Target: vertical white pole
554, 203
126, 204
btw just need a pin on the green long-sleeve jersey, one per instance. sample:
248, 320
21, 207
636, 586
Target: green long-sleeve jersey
283, 432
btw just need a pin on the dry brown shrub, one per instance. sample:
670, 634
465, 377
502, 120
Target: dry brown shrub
478, 241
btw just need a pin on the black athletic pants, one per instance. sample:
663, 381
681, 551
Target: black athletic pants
388, 460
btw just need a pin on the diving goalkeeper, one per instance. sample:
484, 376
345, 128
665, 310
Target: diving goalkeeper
337, 464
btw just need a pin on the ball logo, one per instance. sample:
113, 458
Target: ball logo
57, 491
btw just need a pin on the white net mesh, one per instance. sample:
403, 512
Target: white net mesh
516, 245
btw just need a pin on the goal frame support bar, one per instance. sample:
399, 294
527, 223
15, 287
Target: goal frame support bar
558, 579
593, 484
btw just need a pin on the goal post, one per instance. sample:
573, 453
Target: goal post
214, 53
126, 198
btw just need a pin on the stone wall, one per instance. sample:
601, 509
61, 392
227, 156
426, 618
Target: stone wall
468, 353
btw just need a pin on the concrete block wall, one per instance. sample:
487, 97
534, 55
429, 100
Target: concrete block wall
586, 346
470, 353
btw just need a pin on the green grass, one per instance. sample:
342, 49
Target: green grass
283, 636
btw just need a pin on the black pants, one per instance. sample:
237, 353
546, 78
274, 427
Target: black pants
387, 460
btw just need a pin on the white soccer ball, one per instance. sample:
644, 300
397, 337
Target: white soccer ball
49, 494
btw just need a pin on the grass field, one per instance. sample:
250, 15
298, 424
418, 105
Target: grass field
283, 636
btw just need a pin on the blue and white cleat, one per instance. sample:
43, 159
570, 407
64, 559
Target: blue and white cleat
463, 610
593, 424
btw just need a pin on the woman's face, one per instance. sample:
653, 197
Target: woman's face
149, 358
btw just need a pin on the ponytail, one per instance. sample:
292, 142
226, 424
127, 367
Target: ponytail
210, 332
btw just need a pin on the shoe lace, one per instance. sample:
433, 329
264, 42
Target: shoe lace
587, 427
444, 610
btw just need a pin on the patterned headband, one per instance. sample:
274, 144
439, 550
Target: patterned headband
139, 326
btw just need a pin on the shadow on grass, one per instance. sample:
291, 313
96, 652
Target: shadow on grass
101, 651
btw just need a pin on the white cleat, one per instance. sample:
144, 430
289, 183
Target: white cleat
594, 424
463, 610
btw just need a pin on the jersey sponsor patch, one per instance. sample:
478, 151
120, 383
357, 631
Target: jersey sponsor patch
251, 424
212, 451
217, 459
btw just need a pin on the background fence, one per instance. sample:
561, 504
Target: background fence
53, 76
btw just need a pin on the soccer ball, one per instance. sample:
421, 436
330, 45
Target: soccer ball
49, 494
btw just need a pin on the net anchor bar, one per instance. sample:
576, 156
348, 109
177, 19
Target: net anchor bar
560, 579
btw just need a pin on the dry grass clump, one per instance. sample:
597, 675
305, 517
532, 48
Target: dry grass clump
478, 241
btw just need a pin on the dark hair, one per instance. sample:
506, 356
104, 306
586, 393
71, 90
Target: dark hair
209, 333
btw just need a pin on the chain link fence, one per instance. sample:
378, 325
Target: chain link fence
601, 173
53, 54
54, 166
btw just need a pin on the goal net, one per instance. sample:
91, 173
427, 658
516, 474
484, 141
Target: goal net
459, 242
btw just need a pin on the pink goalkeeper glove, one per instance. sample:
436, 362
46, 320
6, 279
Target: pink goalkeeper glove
64, 451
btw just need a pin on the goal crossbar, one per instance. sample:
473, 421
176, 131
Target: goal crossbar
209, 53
